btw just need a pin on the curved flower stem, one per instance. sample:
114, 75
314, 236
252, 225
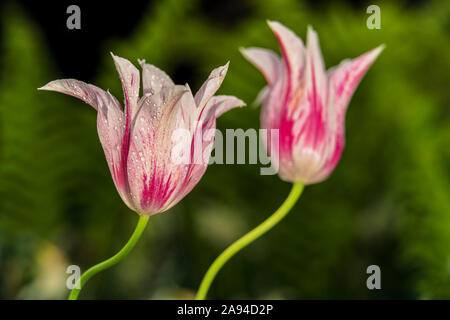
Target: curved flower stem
111, 261
251, 236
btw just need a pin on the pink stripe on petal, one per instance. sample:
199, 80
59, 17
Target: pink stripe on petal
313, 107
330, 158
149, 161
346, 76
130, 79
293, 52
110, 125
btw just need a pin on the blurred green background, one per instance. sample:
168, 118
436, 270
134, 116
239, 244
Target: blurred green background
387, 203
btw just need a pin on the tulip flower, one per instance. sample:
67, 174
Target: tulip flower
307, 105
138, 139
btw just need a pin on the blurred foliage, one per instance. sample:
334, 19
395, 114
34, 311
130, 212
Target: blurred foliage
385, 204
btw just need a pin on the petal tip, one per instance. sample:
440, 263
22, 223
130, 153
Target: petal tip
224, 69
311, 35
373, 54
275, 26
47, 87
141, 62
379, 49
245, 52
118, 59
115, 58
272, 24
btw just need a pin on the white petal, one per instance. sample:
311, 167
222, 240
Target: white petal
293, 52
211, 85
153, 78
266, 61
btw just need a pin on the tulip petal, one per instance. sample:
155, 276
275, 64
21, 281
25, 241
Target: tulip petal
153, 78
218, 105
311, 114
331, 155
266, 61
153, 177
345, 78
342, 84
202, 141
272, 114
293, 52
130, 79
262, 96
309, 119
211, 85
110, 125
187, 114
89, 93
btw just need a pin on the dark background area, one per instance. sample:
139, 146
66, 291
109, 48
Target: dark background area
103, 21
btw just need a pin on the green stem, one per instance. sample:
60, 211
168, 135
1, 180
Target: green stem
251, 236
111, 261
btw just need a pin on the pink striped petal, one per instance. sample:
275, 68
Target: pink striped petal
293, 52
202, 140
218, 105
154, 178
130, 79
153, 78
111, 123
331, 156
345, 78
89, 93
266, 61
311, 113
314, 122
342, 84
111, 128
272, 116
211, 85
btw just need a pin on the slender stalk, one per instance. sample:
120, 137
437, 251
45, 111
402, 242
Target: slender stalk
111, 261
251, 236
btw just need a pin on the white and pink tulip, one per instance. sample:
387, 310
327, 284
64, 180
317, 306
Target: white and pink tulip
306, 103
137, 139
